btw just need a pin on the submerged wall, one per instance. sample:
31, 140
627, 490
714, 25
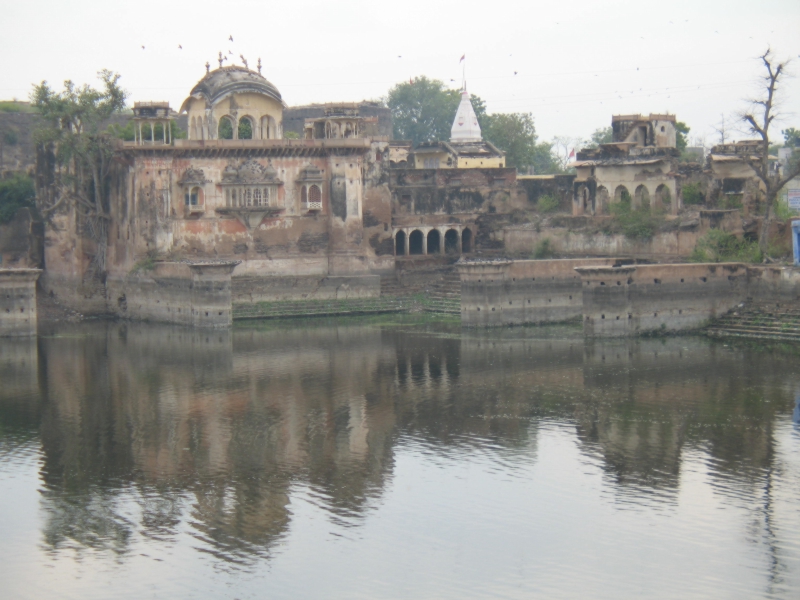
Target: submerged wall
506, 292
18, 302
254, 289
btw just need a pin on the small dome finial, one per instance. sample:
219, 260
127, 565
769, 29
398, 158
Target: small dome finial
220, 59
259, 65
208, 67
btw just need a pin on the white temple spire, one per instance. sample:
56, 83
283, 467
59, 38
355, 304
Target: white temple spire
465, 125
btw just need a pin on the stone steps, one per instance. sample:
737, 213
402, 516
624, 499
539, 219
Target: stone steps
759, 321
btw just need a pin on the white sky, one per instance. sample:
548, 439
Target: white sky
577, 62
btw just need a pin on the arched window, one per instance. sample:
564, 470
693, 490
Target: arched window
245, 128
621, 194
193, 197
314, 194
602, 199
225, 128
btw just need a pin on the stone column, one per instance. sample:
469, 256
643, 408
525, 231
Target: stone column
18, 301
424, 242
441, 242
406, 246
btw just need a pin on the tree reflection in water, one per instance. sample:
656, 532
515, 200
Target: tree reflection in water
150, 430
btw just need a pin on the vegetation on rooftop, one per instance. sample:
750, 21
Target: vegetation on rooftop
16, 192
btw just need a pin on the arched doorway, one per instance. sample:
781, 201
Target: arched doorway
415, 242
663, 196
621, 194
451, 242
466, 240
642, 196
400, 243
225, 129
434, 241
602, 199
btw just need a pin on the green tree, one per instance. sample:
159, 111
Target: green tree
423, 110
791, 137
601, 135
75, 152
127, 133
515, 134
681, 131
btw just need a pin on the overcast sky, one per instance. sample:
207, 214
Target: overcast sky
571, 64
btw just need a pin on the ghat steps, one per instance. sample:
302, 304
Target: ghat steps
762, 320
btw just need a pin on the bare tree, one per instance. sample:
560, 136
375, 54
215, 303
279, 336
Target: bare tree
722, 130
758, 118
562, 148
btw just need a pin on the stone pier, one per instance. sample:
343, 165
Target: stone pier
506, 292
187, 293
638, 299
18, 301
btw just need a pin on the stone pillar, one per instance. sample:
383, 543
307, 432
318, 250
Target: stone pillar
441, 241
796, 241
424, 242
406, 246
18, 301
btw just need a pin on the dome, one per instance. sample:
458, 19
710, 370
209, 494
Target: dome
223, 82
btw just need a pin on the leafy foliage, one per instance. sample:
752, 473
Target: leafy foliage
601, 135
547, 203
681, 131
79, 153
720, 246
791, 137
423, 110
693, 194
16, 192
544, 249
636, 223
128, 134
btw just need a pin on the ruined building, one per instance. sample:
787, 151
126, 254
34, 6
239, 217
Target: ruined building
640, 164
441, 199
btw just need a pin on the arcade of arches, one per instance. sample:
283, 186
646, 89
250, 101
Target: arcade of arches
449, 239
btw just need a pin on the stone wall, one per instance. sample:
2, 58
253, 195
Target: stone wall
679, 242
196, 294
505, 292
637, 299
254, 289
18, 302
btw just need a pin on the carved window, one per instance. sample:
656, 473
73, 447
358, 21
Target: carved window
193, 197
256, 197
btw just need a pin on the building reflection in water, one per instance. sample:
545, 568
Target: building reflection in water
216, 430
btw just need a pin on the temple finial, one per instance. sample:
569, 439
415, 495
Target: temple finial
259, 65
220, 59
208, 67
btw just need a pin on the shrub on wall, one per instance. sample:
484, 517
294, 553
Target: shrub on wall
636, 223
720, 246
693, 194
15, 192
547, 203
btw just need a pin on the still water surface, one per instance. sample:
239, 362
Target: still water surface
396, 458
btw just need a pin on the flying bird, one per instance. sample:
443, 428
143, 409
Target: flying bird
180, 47
229, 52
142, 47
398, 56
230, 38
515, 72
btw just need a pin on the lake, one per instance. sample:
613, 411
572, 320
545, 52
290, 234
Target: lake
396, 457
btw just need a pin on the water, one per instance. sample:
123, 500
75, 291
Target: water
396, 458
